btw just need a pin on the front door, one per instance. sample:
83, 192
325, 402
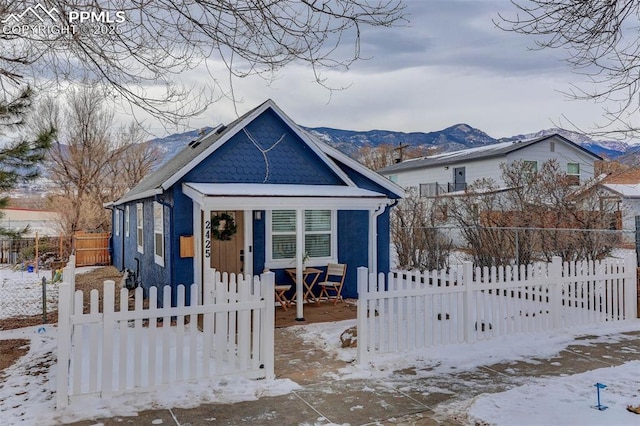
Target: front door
226, 251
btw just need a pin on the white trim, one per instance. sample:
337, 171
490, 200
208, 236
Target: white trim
140, 196
158, 259
365, 171
248, 242
127, 221
197, 248
140, 227
283, 203
118, 222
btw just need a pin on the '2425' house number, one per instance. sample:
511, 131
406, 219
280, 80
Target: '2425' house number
207, 239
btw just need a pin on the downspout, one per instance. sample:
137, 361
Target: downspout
373, 233
171, 258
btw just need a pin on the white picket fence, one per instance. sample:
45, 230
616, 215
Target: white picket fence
230, 331
408, 311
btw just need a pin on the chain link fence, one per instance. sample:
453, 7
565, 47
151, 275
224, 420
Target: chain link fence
28, 282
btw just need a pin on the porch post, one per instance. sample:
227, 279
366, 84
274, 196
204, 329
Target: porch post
299, 264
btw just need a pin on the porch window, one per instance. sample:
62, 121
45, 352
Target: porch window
126, 221
319, 237
158, 233
140, 227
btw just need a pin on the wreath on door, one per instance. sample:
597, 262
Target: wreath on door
225, 232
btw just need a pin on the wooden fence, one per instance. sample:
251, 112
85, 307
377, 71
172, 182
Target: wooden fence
92, 248
408, 310
106, 352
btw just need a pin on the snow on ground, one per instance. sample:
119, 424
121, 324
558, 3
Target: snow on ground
27, 393
565, 400
21, 291
27, 390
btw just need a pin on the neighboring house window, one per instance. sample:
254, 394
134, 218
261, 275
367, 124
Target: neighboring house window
319, 236
140, 227
158, 233
530, 166
126, 221
573, 172
552, 146
117, 224
393, 178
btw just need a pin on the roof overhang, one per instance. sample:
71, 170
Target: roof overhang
273, 196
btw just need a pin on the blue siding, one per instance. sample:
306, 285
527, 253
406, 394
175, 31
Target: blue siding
353, 240
291, 161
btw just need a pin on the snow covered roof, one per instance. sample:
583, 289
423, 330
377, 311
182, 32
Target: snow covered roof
627, 190
488, 151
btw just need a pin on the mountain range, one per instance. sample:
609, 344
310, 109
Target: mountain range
454, 138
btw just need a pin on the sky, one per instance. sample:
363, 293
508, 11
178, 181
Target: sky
450, 64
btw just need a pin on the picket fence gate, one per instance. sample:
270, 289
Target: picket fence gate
412, 310
105, 352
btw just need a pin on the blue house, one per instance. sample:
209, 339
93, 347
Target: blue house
259, 193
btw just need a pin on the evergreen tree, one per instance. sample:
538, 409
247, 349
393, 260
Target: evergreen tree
19, 158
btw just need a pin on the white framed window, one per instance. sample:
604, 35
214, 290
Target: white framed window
126, 221
158, 233
573, 173
320, 242
140, 227
117, 223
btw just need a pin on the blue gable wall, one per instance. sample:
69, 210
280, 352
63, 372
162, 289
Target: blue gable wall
289, 161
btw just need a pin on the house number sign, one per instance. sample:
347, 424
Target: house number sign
207, 239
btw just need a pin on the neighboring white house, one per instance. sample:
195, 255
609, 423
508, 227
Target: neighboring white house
453, 171
625, 189
45, 223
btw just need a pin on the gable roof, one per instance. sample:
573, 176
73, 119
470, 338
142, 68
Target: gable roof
473, 154
198, 150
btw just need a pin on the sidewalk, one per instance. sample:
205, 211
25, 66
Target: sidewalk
323, 401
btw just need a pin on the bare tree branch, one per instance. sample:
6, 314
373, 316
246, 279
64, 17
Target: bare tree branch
143, 56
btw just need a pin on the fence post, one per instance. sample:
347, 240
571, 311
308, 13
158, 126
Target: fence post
44, 300
555, 281
268, 279
361, 324
630, 287
108, 307
467, 320
64, 345
69, 277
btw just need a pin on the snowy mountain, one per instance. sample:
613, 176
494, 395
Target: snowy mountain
608, 148
457, 137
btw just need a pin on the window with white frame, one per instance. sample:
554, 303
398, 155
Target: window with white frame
140, 227
573, 173
319, 237
158, 233
117, 223
126, 221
